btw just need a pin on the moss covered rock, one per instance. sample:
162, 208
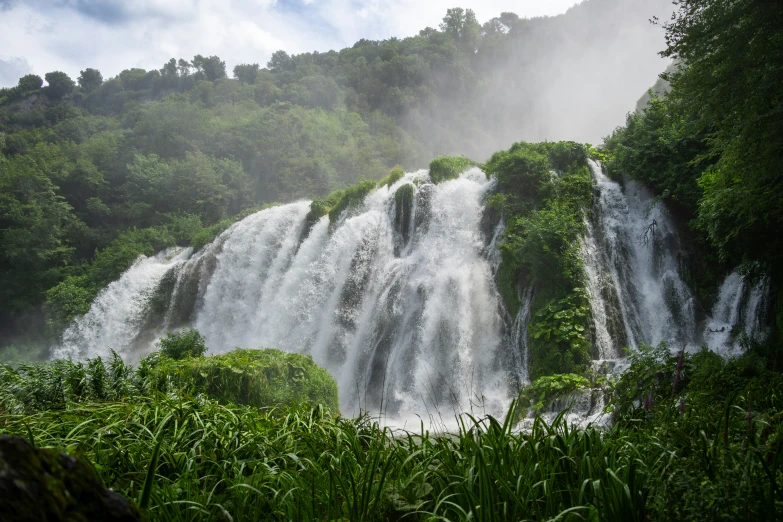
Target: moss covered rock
40, 484
403, 210
445, 168
260, 378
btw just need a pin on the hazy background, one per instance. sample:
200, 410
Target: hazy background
572, 76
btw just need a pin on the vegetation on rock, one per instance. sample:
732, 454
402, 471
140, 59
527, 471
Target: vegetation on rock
445, 168
544, 191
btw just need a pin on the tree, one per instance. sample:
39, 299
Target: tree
733, 69
90, 79
169, 69
280, 61
212, 67
246, 73
59, 85
29, 83
33, 229
184, 67
463, 27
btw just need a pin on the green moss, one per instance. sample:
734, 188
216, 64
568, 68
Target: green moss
444, 168
507, 281
352, 196
335, 203
403, 209
393, 177
260, 378
543, 391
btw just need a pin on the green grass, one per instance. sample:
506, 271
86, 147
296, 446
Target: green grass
185, 454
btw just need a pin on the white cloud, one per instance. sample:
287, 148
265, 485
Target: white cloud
112, 35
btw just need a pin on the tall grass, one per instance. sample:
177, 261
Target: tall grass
213, 462
185, 456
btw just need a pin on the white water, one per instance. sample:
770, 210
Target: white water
738, 311
410, 322
631, 255
119, 313
416, 332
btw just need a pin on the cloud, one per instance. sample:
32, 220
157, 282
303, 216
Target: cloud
11, 69
112, 35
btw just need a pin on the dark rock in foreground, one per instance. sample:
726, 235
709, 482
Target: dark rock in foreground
40, 484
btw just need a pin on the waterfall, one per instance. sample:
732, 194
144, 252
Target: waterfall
121, 313
738, 312
408, 322
401, 305
631, 254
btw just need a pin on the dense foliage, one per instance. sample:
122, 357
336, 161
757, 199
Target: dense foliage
544, 191
260, 378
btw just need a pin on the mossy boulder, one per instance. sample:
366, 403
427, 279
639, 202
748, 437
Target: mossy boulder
338, 201
403, 210
41, 484
261, 378
445, 168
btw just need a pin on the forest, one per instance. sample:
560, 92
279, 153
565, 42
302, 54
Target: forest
95, 173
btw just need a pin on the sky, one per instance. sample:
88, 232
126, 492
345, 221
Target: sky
39, 36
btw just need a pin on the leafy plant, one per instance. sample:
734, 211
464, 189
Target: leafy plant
543, 391
183, 344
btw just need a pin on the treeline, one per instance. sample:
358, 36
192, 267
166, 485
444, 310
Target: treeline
713, 146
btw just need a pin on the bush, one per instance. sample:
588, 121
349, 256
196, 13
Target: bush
260, 378
544, 390
179, 345
445, 168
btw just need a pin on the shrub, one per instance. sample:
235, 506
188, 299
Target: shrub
445, 168
544, 390
260, 378
179, 345
393, 177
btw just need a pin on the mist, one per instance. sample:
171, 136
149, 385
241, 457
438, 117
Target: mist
569, 77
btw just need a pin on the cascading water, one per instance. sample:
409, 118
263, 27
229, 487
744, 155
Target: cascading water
738, 312
121, 312
407, 323
400, 304
631, 253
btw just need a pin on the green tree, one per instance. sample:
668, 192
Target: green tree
59, 85
34, 224
246, 73
212, 67
732, 52
29, 83
90, 79
462, 25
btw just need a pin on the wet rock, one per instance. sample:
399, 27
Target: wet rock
44, 485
